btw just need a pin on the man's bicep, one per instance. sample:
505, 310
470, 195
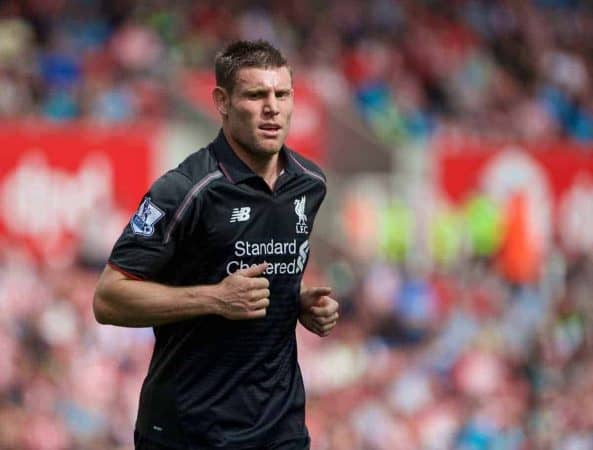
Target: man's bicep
112, 274
109, 278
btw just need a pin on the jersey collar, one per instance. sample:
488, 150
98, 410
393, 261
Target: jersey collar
236, 170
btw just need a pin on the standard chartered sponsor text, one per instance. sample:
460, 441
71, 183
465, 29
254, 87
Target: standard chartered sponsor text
283, 257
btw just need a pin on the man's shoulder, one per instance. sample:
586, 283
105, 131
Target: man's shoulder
306, 165
191, 176
198, 165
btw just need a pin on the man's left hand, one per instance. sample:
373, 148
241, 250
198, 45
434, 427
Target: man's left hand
319, 312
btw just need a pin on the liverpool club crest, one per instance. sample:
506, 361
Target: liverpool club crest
299, 209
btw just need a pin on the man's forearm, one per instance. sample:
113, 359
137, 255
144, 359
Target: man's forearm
132, 303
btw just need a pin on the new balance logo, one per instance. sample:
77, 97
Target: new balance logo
240, 214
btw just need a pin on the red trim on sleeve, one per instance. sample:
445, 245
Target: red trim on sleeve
123, 272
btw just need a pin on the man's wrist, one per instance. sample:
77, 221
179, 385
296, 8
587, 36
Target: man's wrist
205, 299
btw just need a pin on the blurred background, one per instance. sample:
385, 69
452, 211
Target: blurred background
457, 136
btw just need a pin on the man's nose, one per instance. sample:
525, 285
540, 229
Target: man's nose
271, 105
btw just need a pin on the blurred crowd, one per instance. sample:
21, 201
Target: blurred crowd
458, 353
459, 358
500, 69
65, 382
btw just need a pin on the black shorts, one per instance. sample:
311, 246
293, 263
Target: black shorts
141, 443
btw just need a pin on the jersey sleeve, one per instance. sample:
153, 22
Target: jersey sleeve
148, 242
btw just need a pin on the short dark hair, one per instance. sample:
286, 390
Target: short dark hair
240, 54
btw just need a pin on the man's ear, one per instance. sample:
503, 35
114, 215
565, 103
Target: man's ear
221, 100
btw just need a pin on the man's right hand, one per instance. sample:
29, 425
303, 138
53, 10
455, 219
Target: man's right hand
244, 294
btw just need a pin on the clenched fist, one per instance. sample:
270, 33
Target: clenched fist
319, 312
244, 294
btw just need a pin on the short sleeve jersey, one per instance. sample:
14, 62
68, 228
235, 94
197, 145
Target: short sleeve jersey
213, 382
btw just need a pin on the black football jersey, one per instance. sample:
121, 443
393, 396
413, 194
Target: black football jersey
212, 382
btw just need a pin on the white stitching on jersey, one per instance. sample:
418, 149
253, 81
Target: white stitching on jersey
187, 200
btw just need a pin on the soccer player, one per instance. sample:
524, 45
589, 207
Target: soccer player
213, 260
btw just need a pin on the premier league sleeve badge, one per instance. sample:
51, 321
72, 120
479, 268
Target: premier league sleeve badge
146, 217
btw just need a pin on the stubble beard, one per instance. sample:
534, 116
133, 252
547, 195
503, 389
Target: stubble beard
261, 152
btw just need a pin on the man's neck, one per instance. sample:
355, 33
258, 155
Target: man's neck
267, 167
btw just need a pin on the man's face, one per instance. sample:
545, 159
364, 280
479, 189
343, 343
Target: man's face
259, 110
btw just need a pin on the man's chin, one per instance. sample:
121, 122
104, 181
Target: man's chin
268, 148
